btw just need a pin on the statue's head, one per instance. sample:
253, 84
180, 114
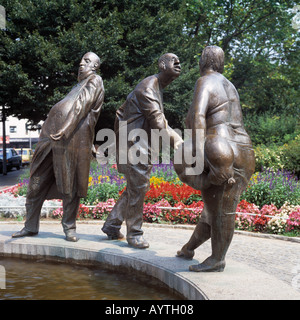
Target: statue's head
89, 63
212, 58
169, 64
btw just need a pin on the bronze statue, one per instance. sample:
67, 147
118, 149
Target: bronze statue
143, 110
228, 159
61, 162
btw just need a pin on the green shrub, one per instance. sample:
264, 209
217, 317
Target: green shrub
257, 193
291, 156
285, 157
101, 192
271, 129
268, 157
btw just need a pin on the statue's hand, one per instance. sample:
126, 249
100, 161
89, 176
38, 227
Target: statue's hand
94, 150
57, 136
178, 143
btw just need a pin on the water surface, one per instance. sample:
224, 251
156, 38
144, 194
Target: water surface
45, 280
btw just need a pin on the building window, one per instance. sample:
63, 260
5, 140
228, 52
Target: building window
12, 129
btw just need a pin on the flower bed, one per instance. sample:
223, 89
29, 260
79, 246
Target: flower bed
170, 201
273, 187
268, 219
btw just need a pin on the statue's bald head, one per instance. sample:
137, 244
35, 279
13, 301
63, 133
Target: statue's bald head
212, 57
89, 64
94, 58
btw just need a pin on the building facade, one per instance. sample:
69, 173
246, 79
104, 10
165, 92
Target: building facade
19, 133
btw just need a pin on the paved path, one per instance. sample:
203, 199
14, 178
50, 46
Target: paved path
257, 267
273, 255
11, 178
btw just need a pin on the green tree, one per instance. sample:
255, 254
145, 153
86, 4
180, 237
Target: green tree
260, 44
45, 40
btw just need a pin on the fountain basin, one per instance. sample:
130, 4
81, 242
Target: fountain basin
239, 281
96, 250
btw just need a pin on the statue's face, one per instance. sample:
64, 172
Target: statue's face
87, 64
172, 65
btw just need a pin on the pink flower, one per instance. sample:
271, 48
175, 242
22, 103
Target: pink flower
293, 221
270, 210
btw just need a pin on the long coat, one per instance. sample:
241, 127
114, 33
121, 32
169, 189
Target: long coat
77, 114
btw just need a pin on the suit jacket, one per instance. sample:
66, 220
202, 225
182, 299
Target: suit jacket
77, 114
143, 109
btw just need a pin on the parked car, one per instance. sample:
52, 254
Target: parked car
26, 155
12, 159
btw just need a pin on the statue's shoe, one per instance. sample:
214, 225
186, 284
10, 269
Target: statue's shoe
71, 236
115, 236
138, 242
208, 267
112, 233
24, 233
185, 253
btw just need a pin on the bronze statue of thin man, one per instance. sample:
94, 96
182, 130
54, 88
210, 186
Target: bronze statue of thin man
143, 109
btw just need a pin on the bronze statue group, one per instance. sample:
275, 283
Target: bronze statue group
61, 162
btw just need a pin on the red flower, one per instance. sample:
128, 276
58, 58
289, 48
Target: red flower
173, 192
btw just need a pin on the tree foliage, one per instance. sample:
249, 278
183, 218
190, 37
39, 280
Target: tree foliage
44, 41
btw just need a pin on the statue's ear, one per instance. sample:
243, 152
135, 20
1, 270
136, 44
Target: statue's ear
162, 66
